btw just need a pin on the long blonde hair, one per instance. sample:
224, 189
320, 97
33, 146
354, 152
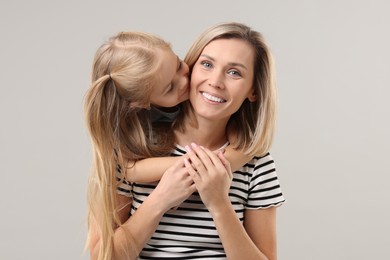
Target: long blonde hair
123, 75
254, 123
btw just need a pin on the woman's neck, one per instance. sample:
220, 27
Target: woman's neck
207, 133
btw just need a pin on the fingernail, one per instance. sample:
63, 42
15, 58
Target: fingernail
193, 145
187, 148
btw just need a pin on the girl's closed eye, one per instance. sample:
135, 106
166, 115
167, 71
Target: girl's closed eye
168, 89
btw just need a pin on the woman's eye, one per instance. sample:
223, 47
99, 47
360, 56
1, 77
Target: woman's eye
234, 73
206, 64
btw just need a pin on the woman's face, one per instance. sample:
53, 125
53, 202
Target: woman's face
222, 78
172, 80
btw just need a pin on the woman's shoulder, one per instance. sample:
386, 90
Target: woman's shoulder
262, 161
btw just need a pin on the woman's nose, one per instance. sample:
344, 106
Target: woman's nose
216, 81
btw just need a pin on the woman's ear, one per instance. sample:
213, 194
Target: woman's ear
252, 96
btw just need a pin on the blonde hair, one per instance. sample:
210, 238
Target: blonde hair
254, 123
123, 76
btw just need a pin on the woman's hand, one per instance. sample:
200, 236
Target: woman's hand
175, 186
211, 174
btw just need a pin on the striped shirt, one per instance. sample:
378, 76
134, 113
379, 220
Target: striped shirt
189, 232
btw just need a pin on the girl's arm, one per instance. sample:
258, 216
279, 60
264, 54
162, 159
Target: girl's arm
151, 169
212, 177
236, 158
129, 238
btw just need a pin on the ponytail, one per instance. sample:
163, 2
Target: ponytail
101, 110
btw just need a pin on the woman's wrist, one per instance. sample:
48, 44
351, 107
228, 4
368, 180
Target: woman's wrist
157, 202
220, 207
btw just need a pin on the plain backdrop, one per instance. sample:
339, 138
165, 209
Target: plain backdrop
332, 142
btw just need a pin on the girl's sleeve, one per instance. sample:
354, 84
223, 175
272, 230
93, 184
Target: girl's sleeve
264, 186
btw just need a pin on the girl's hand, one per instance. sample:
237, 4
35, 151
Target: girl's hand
211, 174
175, 186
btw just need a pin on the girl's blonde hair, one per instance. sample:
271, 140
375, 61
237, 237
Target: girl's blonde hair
253, 124
123, 76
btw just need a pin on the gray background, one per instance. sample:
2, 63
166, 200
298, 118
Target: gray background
331, 147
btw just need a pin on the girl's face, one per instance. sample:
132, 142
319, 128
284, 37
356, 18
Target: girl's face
222, 78
172, 81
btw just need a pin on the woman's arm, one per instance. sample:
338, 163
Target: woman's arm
240, 242
212, 177
129, 239
260, 224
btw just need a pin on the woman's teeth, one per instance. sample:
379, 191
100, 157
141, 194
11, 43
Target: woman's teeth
212, 98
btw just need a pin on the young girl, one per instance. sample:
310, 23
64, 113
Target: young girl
232, 215
131, 72
137, 83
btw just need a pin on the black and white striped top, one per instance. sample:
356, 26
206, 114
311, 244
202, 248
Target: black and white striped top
189, 231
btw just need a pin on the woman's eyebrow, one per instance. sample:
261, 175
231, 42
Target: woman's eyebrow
207, 56
236, 64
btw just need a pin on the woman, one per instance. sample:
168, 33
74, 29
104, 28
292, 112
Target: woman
233, 215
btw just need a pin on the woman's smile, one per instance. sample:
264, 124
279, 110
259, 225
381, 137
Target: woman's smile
212, 98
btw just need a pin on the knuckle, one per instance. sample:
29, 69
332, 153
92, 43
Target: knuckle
198, 164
